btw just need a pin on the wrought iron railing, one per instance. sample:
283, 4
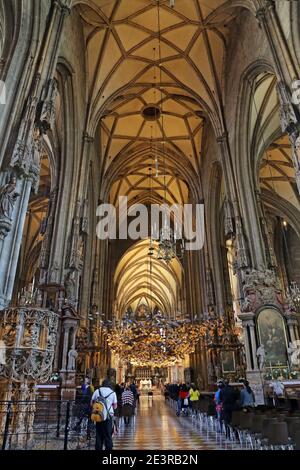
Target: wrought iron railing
45, 425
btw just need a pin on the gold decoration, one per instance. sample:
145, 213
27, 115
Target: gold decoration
152, 341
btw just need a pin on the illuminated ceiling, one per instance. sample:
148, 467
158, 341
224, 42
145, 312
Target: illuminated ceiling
277, 172
141, 54
144, 280
129, 69
144, 182
274, 161
264, 115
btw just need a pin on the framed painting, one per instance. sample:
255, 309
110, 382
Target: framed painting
272, 334
228, 361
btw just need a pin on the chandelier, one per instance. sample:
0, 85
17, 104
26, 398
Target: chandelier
219, 333
168, 246
153, 340
293, 296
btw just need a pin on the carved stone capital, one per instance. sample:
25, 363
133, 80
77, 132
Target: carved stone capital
25, 159
8, 196
270, 4
260, 15
261, 287
246, 317
46, 116
291, 321
5, 226
87, 138
288, 119
64, 5
241, 256
228, 219
221, 139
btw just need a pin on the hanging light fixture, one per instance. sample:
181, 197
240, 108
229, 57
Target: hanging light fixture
169, 247
153, 340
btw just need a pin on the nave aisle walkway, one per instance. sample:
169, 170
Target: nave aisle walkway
156, 427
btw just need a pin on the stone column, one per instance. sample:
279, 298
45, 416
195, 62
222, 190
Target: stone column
249, 342
297, 331
69, 325
64, 361
253, 343
24, 163
242, 203
254, 375
293, 328
10, 244
287, 73
283, 57
247, 350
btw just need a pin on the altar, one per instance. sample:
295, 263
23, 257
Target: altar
288, 392
145, 386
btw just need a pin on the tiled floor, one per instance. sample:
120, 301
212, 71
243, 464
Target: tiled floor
156, 427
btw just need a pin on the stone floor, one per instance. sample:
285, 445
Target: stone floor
156, 427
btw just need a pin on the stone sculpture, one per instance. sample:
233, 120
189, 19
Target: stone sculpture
261, 355
72, 356
8, 196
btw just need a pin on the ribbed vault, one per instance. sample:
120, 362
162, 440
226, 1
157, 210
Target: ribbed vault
144, 280
271, 154
144, 52
277, 173
144, 182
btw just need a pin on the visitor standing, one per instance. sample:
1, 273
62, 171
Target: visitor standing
247, 397
227, 399
119, 389
194, 396
183, 399
87, 390
166, 392
128, 401
104, 429
218, 404
133, 389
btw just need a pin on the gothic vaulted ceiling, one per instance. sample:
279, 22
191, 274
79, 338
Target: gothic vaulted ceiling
272, 156
143, 280
155, 74
143, 52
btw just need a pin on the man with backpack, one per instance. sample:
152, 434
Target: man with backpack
104, 401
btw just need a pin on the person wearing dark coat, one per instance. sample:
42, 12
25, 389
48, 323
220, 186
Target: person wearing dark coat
227, 399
